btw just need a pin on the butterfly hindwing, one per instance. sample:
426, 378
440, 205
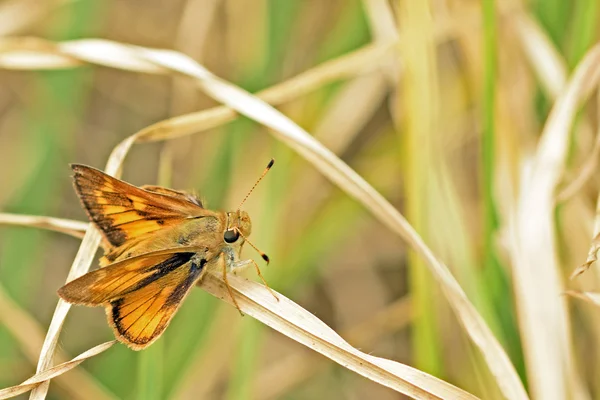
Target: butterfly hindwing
123, 211
140, 317
140, 295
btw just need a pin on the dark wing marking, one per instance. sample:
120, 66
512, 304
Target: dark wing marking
105, 284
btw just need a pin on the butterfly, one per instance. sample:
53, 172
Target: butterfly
158, 243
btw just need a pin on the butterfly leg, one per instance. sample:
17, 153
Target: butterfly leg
241, 264
224, 264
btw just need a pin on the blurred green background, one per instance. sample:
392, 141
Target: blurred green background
427, 136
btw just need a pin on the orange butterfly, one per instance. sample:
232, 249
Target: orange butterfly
158, 243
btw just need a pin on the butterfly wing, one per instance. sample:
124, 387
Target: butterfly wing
124, 212
141, 295
173, 193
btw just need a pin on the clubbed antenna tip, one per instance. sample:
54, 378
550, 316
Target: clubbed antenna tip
259, 179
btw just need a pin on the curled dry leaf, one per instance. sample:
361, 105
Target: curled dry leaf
279, 377
354, 185
536, 271
592, 256
160, 61
42, 54
297, 323
300, 325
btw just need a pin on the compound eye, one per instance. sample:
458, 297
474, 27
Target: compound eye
231, 235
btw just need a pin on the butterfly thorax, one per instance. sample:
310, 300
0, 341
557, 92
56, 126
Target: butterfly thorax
209, 233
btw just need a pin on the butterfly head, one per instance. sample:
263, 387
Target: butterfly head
238, 224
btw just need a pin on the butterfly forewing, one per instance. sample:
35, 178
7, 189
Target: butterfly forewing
124, 212
173, 193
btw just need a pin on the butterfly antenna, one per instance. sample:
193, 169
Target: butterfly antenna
251, 190
263, 255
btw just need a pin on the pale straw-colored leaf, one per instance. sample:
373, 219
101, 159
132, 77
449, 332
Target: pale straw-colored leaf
70, 227
383, 28
348, 180
337, 171
297, 323
381, 18
80, 266
303, 327
45, 51
551, 70
590, 297
279, 376
536, 269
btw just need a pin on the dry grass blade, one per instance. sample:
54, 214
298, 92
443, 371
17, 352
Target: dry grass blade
295, 322
536, 270
33, 53
383, 27
146, 60
73, 228
30, 336
91, 241
80, 266
353, 184
159, 61
278, 377
70, 227
590, 297
48, 374
349, 65
321, 337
